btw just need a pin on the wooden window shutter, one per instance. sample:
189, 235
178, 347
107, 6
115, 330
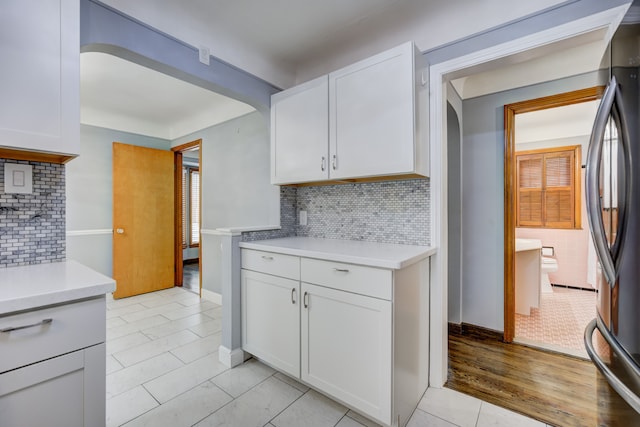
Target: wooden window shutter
559, 187
548, 188
529, 185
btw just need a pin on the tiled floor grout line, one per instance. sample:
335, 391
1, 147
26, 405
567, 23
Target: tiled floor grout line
247, 377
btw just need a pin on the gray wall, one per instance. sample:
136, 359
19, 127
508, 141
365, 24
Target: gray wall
235, 174
454, 205
482, 251
235, 185
90, 194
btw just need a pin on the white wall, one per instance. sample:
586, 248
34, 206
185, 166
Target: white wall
483, 198
89, 188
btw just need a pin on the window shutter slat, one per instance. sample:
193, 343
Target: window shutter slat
531, 173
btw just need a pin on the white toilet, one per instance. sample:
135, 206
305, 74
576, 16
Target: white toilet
549, 265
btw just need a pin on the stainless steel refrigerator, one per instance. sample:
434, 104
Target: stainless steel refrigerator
612, 190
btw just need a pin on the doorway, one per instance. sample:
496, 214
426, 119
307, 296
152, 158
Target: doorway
188, 212
547, 306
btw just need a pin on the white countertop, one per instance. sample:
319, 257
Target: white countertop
528, 244
383, 255
33, 286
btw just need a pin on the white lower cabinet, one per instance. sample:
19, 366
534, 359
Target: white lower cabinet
271, 320
359, 334
346, 348
57, 392
52, 369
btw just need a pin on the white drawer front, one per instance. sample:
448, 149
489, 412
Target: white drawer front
271, 263
375, 282
72, 327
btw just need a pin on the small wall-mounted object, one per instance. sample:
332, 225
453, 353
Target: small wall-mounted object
18, 178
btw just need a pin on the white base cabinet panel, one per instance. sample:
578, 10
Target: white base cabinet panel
57, 392
270, 320
53, 366
346, 348
357, 333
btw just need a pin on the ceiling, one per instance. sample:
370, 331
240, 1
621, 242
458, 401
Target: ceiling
121, 95
118, 94
556, 123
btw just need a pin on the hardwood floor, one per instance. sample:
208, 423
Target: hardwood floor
556, 389
191, 277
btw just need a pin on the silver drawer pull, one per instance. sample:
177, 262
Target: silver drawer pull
268, 258
16, 328
341, 270
293, 295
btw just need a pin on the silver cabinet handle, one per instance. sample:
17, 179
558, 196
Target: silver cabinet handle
611, 105
322, 164
268, 258
293, 295
334, 162
341, 270
305, 300
33, 325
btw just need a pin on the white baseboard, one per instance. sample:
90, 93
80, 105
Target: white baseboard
212, 296
232, 358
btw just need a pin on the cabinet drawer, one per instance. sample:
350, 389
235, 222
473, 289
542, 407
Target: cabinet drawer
73, 326
375, 282
271, 263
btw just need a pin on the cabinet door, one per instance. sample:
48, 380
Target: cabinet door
299, 133
271, 320
49, 393
40, 84
371, 116
346, 348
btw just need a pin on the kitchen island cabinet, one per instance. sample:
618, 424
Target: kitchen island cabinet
350, 319
40, 85
52, 341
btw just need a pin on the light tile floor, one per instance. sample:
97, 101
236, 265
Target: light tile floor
163, 370
560, 321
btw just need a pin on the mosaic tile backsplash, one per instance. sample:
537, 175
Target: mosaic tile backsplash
32, 226
383, 212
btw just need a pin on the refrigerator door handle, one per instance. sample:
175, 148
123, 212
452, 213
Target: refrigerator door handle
610, 105
627, 394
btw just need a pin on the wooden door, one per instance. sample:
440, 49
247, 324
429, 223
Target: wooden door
143, 219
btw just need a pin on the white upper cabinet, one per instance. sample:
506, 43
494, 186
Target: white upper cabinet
299, 133
40, 84
376, 125
372, 120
